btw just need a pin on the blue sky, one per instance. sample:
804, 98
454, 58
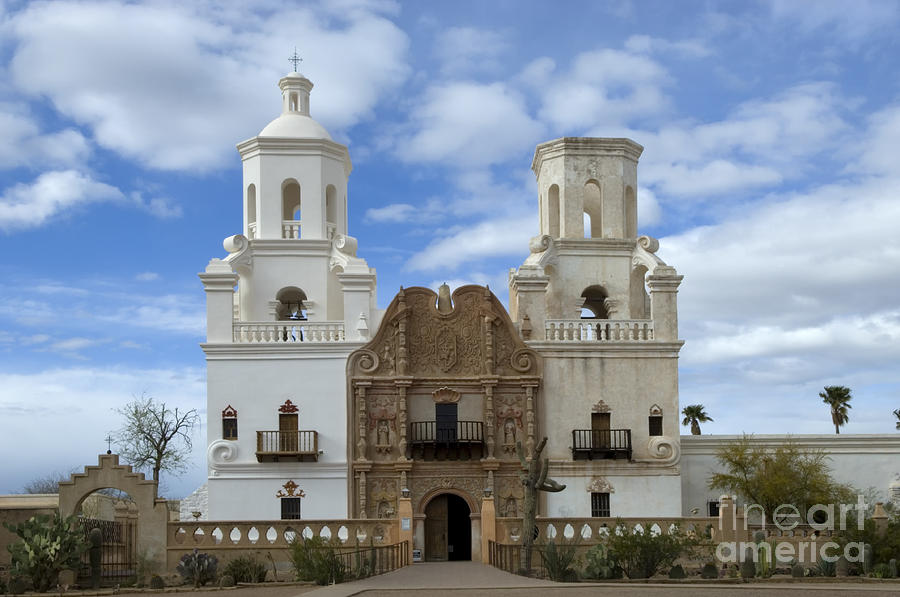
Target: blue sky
770, 175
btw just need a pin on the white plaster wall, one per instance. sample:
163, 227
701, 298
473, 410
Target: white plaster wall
256, 380
304, 265
628, 382
861, 460
633, 496
244, 498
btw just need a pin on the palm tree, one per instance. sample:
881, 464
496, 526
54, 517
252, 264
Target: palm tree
897, 414
838, 398
693, 416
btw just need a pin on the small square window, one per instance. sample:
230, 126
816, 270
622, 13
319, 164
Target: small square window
655, 425
600, 505
712, 508
290, 508
229, 428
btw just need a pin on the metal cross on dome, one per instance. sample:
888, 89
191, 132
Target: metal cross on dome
109, 441
295, 59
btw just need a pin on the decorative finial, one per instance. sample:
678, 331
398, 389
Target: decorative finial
295, 59
108, 440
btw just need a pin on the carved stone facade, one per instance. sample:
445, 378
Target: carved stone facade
430, 351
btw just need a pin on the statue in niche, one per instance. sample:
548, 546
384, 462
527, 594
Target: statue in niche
509, 434
510, 508
383, 440
385, 510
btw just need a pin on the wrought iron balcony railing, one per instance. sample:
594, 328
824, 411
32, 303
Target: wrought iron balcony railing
273, 446
601, 443
435, 440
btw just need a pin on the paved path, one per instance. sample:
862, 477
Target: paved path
471, 579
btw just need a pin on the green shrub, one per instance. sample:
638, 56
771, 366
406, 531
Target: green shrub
157, 583
797, 571
600, 564
317, 560
246, 569
825, 568
709, 570
881, 571
226, 580
47, 545
641, 554
884, 546
559, 560
18, 585
677, 572
197, 568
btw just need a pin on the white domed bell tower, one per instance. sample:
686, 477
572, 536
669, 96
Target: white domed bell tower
285, 308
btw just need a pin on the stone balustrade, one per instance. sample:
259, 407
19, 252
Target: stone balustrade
230, 539
290, 229
598, 330
287, 332
590, 530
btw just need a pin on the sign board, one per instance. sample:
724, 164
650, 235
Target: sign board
417, 555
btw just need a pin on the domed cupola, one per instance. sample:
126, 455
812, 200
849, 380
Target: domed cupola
295, 175
295, 121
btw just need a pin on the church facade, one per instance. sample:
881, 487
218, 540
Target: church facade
322, 406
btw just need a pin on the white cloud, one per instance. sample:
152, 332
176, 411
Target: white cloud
395, 212
489, 238
645, 44
649, 211
62, 399
159, 207
468, 124
25, 145
878, 149
469, 49
74, 344
209, 78
761, 143
864, 18
147, 276
31, 205
604, 88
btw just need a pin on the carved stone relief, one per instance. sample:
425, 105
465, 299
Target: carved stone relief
468, 484
510, 495
600, 407
383, 494
600, 485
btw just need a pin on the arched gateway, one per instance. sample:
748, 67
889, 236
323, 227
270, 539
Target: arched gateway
438, 400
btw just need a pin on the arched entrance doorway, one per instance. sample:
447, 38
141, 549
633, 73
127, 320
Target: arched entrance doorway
448, 529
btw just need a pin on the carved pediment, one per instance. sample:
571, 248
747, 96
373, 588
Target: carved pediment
466, 334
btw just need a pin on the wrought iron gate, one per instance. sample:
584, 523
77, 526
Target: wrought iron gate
118, 550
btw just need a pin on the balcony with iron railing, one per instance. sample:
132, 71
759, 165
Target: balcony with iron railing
601, 443
599, 330
435, 440
276, 446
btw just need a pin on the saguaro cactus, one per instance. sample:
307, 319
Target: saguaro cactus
534, 479
95, 538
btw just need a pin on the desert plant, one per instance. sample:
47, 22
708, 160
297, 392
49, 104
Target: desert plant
642, 553
600, 564
17, 585
46, 546
157, 583
880, 571
559, 560
246, 569
677, 571
825, 568
317, 560
709, 570
534, 479
226, 580
892, 567
197, 568
797, 571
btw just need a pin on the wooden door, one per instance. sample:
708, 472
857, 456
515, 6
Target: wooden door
436, 529
287, 436
445, 416
600, 430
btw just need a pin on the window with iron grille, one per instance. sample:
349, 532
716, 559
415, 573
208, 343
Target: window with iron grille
290, 508
600, 504
712, 508
229, 428
655, 425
